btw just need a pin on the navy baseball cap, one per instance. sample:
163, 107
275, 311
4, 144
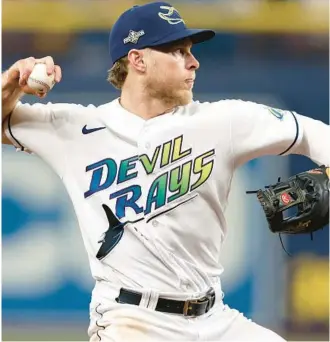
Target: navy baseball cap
149, 25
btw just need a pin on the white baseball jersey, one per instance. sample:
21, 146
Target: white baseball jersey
150, 195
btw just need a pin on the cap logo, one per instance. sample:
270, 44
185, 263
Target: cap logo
172, 16
133, 36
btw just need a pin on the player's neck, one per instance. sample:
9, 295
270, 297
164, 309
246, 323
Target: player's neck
142, 105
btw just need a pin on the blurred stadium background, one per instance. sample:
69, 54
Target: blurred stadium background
274, 52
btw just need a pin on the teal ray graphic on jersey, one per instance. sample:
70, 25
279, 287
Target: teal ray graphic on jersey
113, 235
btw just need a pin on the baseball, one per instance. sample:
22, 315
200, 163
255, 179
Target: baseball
39, 80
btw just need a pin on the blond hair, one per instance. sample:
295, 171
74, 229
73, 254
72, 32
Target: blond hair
118, 73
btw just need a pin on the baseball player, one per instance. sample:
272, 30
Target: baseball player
149, 175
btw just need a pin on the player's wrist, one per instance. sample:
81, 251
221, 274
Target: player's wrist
11, 93
9, 84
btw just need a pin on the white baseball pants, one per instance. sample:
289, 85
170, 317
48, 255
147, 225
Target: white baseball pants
114, 322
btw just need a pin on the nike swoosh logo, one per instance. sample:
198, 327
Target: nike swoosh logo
86, 130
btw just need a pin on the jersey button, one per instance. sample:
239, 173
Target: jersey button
155, 223
147, 145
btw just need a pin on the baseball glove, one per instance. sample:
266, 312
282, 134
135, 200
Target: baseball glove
304, 196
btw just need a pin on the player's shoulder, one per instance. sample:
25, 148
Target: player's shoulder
53, 107
109, 107
64, 110
221, 106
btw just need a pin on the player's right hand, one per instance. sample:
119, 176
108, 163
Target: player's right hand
19, 72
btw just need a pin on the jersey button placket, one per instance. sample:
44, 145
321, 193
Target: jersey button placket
142, 141
145, 144
145, 132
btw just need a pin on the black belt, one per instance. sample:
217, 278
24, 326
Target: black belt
190, 307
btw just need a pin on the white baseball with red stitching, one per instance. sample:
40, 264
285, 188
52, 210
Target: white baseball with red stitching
39, 80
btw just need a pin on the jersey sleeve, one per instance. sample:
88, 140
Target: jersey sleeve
41, 129
257, 130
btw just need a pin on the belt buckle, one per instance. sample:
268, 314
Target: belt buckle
187, 307
209, 298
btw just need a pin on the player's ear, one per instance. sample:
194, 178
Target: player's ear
136, 59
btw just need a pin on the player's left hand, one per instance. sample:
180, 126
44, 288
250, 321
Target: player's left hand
307, 194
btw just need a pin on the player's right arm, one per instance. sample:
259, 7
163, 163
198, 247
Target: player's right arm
42, 129
14, 85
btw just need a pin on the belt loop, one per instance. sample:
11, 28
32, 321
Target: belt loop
154, 295
144, 302
149, 299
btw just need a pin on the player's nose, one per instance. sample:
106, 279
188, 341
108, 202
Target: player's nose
192, 62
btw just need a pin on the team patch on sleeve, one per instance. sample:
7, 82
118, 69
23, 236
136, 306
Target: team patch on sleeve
278, 113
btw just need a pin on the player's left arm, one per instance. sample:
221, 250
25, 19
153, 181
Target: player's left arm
258, 130
315, 141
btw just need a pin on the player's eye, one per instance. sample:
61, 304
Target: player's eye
181, 51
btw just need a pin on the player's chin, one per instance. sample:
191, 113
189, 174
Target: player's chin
181, 95
188, 95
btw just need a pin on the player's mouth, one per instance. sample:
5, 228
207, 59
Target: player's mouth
190, 82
